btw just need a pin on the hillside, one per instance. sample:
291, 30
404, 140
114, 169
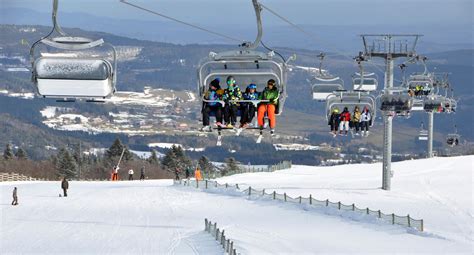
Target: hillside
151, 217
147, 65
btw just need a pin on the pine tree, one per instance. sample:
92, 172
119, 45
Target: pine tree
232, 165
65, 164
115, 151
8, 152
21, 154
206, 166
153, 159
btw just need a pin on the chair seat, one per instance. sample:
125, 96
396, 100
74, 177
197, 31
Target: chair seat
73, 69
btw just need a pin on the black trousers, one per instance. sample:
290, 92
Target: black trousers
65, 192
247, 113
334, 126
130, 177
15, 201
356, 125
206, 112
230, 113
142, 177
364, 126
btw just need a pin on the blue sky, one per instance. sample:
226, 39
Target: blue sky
309, 12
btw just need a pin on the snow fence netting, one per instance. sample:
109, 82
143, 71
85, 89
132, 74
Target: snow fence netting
250, 192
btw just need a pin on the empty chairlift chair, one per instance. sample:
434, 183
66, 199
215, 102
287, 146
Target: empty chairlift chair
423, 134
366, 82
69, 67
322, 87
350, 99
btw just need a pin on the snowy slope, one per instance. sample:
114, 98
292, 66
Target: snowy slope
153, 217
438, 190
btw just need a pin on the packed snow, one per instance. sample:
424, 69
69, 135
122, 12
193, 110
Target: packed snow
154, 217
437, 190
295, 147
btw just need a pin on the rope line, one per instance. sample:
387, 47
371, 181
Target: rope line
183, 22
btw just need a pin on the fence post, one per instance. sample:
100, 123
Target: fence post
222, 238
327, 202
250, 191
300, 199
274, 195
237, 186
422, 227
231, 248
284, 194
226, 185
339, 205
393, 218
353, 207
217, 234
408, 218
228, 246
215, 184
380, 214
310, 199
368, 210
206, 184
206, 224
263, 192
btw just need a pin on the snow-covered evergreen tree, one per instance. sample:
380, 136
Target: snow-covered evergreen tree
65, 164
21, 154
8, 152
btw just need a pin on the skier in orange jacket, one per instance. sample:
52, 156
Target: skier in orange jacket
197, 174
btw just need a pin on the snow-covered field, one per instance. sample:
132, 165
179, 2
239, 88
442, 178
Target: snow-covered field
153, 217
438, 190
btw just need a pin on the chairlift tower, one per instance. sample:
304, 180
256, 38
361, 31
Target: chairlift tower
389, 47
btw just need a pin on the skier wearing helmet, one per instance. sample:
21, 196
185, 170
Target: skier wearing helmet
248, 109
334, 121
232, 93
271, 94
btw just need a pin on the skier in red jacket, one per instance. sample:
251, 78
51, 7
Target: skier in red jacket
345, 118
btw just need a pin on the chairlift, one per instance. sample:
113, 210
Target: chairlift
418, 105
350, 99
423, 134
421, 84
435, 103
78, 68
365, 82
453, 138
322, 87
396, 101
246, 65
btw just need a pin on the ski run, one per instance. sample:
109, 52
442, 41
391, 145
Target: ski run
155, 217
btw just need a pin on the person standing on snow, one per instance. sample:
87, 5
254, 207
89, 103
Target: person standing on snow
142, 173
65, 186
115, 173
130, 175
15, 196
187, 173
197, 174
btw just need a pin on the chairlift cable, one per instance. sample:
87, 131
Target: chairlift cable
315, 38
182, 22
276, 52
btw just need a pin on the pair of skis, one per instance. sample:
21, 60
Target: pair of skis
238, 131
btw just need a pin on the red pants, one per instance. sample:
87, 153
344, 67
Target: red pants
270, 110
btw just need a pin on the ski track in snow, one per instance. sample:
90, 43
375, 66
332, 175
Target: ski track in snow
152, 217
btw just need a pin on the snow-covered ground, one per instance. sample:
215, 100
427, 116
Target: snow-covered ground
153, 217
438, 190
